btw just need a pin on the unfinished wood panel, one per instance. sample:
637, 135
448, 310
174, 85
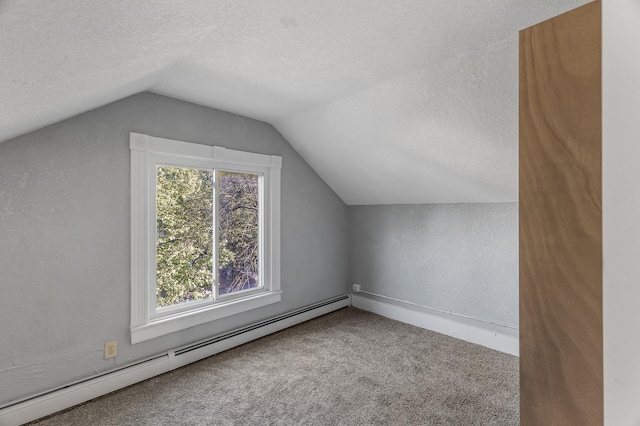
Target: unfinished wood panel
561, 220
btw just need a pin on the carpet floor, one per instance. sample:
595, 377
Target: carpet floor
349, 367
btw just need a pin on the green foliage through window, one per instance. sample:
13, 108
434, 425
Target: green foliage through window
184, 257
185, 234
238, 253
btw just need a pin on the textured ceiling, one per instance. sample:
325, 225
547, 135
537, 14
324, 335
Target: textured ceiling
390, 101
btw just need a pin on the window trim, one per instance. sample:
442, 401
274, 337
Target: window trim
146, 153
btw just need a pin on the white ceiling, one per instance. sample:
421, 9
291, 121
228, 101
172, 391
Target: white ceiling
390, 101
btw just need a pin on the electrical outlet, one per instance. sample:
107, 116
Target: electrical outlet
110, 349
356, 288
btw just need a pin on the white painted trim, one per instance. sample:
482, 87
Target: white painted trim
79, 392
621, 210
45, 405
210, 312
147, 152
449, 326
146, 143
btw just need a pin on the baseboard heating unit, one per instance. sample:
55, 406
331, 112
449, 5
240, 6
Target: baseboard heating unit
34, 407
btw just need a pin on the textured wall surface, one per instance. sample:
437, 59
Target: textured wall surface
390, 101
64, 220
458, 257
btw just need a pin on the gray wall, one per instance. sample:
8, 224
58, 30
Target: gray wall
65, 256
458, 257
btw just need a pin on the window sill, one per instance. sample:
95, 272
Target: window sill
183, 320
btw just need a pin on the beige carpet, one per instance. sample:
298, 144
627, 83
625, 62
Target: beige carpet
347, 368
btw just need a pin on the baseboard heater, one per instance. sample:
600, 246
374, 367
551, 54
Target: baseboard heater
46, 403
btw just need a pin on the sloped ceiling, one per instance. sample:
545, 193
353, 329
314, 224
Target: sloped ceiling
390, 101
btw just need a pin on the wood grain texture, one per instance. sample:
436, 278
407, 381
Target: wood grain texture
561, 369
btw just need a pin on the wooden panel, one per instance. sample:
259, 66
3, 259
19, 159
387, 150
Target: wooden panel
561, 220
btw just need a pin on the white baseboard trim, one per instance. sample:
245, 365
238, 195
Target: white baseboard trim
78, 393
82, 391
451, 327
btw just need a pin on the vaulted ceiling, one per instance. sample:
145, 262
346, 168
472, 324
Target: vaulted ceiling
390, 101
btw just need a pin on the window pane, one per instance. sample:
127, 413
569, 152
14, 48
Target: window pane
239, 240
184, 242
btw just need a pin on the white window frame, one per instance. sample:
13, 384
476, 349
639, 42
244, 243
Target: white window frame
148, 152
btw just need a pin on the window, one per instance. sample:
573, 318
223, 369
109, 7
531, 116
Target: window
205, 234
